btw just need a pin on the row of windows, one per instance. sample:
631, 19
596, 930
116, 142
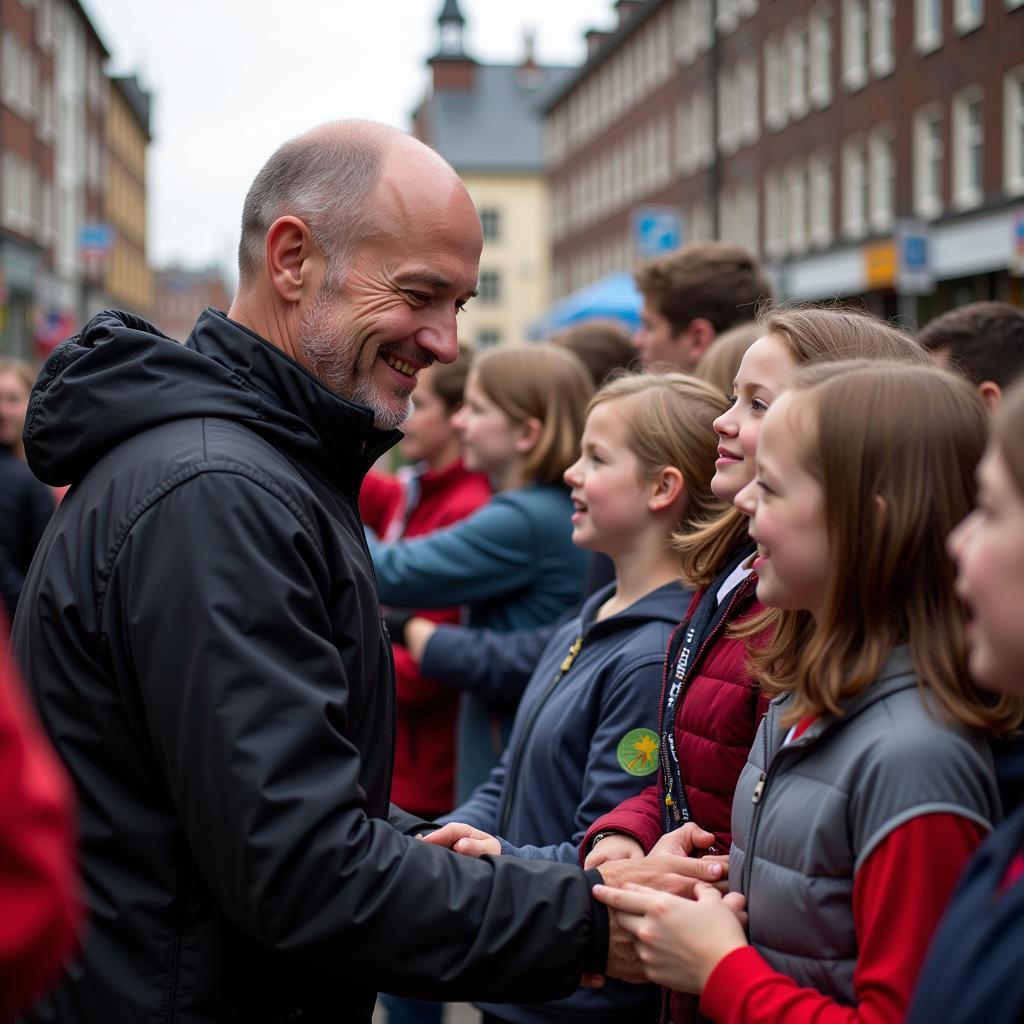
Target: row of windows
798, 198
797, 64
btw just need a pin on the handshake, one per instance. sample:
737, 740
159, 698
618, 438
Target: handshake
656, 903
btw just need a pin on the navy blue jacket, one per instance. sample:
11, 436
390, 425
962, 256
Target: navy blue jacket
513, 563
974, 970
574, 755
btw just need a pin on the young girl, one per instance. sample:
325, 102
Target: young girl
870, 780
513, 562
711, 706
973, 972
584, 734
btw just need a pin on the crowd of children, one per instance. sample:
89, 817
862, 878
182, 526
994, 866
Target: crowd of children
786, 675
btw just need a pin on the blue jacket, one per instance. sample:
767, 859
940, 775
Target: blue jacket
583, 741
973, 970
514, 565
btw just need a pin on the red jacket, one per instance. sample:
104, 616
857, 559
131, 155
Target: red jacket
38, 881
380, 499
424, 773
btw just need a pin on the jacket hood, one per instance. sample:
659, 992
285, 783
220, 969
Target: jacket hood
661, 605
120, 376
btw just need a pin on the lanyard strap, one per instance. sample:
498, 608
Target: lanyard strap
701, 628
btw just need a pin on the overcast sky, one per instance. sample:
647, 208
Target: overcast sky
233, 78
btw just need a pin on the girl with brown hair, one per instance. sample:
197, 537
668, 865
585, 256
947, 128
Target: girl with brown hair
870, 781
711, 704
973, 971
512, 563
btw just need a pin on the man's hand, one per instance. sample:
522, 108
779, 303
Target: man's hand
675, 875
464, 839
617, 846
678, 942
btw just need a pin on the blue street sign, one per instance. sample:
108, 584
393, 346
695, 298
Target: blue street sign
656, 230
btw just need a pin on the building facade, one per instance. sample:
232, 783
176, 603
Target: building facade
72, 162
487, 121
128, 275
864, 148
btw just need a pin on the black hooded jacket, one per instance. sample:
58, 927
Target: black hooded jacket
202, 635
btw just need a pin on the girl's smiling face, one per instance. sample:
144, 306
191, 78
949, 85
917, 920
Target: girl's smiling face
988, 547
786, 505
610, 495
762, 371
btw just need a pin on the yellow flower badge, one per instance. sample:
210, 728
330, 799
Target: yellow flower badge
637, 752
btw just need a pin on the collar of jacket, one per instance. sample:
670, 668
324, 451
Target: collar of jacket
897, 674
341, 435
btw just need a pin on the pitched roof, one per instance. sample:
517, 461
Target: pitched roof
497, 125
451, 12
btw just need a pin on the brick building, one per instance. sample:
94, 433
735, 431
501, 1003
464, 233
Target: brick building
808, 130
181, 295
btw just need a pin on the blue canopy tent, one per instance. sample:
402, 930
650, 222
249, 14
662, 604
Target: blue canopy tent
614, 297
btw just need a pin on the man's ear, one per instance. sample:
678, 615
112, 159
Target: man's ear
702, 333
529, 435
669, 486
291, 254
991, 393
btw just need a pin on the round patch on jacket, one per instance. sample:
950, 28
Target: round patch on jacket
637, 752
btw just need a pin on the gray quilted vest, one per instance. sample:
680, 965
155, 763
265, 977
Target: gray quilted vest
803, 826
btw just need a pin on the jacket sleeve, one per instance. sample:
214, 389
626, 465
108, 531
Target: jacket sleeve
630, 702
483, 808
38, 883
217, 623
481, 558
639, 817
492, 665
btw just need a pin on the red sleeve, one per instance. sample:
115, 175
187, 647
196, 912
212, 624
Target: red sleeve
899, 894
639, 817
380, 499
38, 886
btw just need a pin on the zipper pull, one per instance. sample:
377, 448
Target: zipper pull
571, 656
758, 790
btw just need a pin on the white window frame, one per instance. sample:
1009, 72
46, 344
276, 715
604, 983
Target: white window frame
927, 27
883, 62
820, 184
854, 182
819, 24
966, 193
928, 200
746, 84
776, 96
855, 44
797, 196
882, 188
775, 225
1013, 130
798, 54
967, 17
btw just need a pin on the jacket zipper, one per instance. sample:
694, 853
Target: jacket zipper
666, 767
513, 772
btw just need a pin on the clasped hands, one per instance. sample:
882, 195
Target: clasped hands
668, 918
671, 917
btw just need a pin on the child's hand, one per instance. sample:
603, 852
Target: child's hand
693, 841
679, 941
464, 839
617, 846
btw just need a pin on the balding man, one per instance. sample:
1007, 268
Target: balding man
202, 634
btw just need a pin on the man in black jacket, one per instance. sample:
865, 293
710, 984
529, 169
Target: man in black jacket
202, 634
